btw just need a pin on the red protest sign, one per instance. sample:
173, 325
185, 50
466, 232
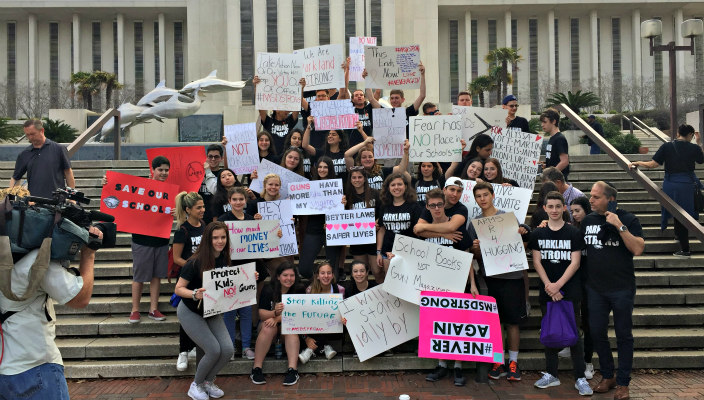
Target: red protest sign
139, 205
187, 170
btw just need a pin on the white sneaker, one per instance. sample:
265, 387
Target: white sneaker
547, 381
213, 390
248, 353
589, 371
182, 362
192, 354
306, 355
329, 352
583, 387
197, 392
565, 353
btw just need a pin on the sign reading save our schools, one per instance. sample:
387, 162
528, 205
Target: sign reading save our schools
229, 288
316, 197
253, 239
187, 168
501, 244
506, 198
311, 313
435, 138
459, 326
378, 321
519, 154
350, 227
419, 265
392, 67
139, 205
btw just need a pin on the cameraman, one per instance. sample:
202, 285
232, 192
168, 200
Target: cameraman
31, 366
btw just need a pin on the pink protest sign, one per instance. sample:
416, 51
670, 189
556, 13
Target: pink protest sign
459, 326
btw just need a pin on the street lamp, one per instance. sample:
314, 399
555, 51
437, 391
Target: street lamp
652, 28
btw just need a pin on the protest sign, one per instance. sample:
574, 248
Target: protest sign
241, 150
280, 76
501, 244
334, 114
506, 198
389, 132
476, 120
459, 326
419, 265
392, 67
228, 289
519, 154
267, 167
139, 205
187, 168
316, 197
280, 210
435, 138
350, 227
311, 313
378, 321
357, 44
253, 239
322, 66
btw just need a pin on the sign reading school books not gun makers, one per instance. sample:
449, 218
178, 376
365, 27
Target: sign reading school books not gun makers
501, 244
253, 239
229, 288
311, 313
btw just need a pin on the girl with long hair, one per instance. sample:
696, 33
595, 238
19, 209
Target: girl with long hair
266, 147
428, 177
494, 174
292, 160
364, 153
474, 170
221, 203
334, 147
359, 195
481, 147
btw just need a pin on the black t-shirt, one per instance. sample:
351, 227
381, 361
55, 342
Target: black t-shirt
556, 249
398, 219
410, 112
316, 224
267, 301
679, 156
338, 159
356, 201
609, 264
191, 273
231, 217
219, 207
252, 207
365, 117
520, 122
376, 181
423, 187
460, 209
271, 156
44, 167
208, 197
279, 130
557, 145
351, 287
190, 236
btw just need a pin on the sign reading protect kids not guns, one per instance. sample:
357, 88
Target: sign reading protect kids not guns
459, 326
228, 289
280, 76
392, 67
139, 205
186, 169
253, 239
311, 313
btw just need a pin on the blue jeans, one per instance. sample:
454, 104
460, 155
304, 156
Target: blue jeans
43, 382
600, 305
594, 149
245, 314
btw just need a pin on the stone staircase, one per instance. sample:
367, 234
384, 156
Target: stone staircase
668, 318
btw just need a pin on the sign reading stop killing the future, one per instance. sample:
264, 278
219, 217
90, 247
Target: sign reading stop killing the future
253, 239
392, 67
280, 76
241, 149
229, 288
187, 168
311, 313
435, 138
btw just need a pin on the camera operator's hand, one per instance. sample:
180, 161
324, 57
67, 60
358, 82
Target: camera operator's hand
95, 232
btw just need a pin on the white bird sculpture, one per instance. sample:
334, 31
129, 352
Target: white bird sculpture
161, 93
212, 84
172, 108
128, 113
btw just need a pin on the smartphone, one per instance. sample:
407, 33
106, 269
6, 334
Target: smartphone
612, 206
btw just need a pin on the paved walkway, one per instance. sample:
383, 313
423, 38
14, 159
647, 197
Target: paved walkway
651, 385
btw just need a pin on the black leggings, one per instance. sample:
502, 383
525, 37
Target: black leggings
682, 235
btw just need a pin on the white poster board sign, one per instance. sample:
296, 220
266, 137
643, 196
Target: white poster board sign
478, 120
350, 227
333, 114
253, 239
392, 67
241, 149
279, 88
378, 321
316, 197
501, 244
506, 198
229, 288
267, 167
357, 44
322, 66
280, 210
311, 313
435, 138
419, 265
389, 132
519, 154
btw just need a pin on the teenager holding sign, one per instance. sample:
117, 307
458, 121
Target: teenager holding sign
221, 202
359, 196
365, 158
481, 147
334, 147
295, 139
494, 174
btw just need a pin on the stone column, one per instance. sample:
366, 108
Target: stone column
76, 43
467, 47
32, 50
310, 23
121, 48
551, 47
162, 47
594, 48
284, 25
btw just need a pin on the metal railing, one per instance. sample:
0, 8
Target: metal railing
631, 124
654, 190
642, 126
95, 128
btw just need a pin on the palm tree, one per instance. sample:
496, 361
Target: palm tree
109, 82
479, 85
497, 81
575, 101
87, 86
501, 57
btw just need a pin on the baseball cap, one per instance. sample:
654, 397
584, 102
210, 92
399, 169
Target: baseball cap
508, 98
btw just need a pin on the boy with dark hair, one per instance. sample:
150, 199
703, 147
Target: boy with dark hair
557, 151
210, 180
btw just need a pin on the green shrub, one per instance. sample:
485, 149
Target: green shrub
534, 125
626, 144
9, 132
59, 131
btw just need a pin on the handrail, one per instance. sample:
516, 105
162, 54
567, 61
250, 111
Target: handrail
631, 124
654, 190
658, 135
93, 130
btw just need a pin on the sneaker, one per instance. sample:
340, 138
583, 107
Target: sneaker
437, 374
329, 352
192, 354
583, 387
514, 373
182, 362
565, 353
213, 390
388, 353
459, 379
156, 315
291, 377
197, 392
306, 355
497, 371
247, 353
547, 381
135, 317
589, 371
682, 254
257, 376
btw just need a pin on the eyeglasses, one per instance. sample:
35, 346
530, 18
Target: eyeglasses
436, 205
433, 112
513, 105
211, 157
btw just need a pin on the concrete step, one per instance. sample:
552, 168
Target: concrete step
124, 286
89, 325
97, 172
661, 296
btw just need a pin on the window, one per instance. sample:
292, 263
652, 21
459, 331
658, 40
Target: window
157, 73
323, 22
492, 34
616, 53
95, 45
298, 40
12, 69
557, 52
454, 58
248, 56
376, 21
514, 45
533, 61
272, 41
178, 54
574, 51
114, 46
138, 59
53, 63
350, 25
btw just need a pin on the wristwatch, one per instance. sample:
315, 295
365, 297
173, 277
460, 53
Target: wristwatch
194, 294
623, 228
